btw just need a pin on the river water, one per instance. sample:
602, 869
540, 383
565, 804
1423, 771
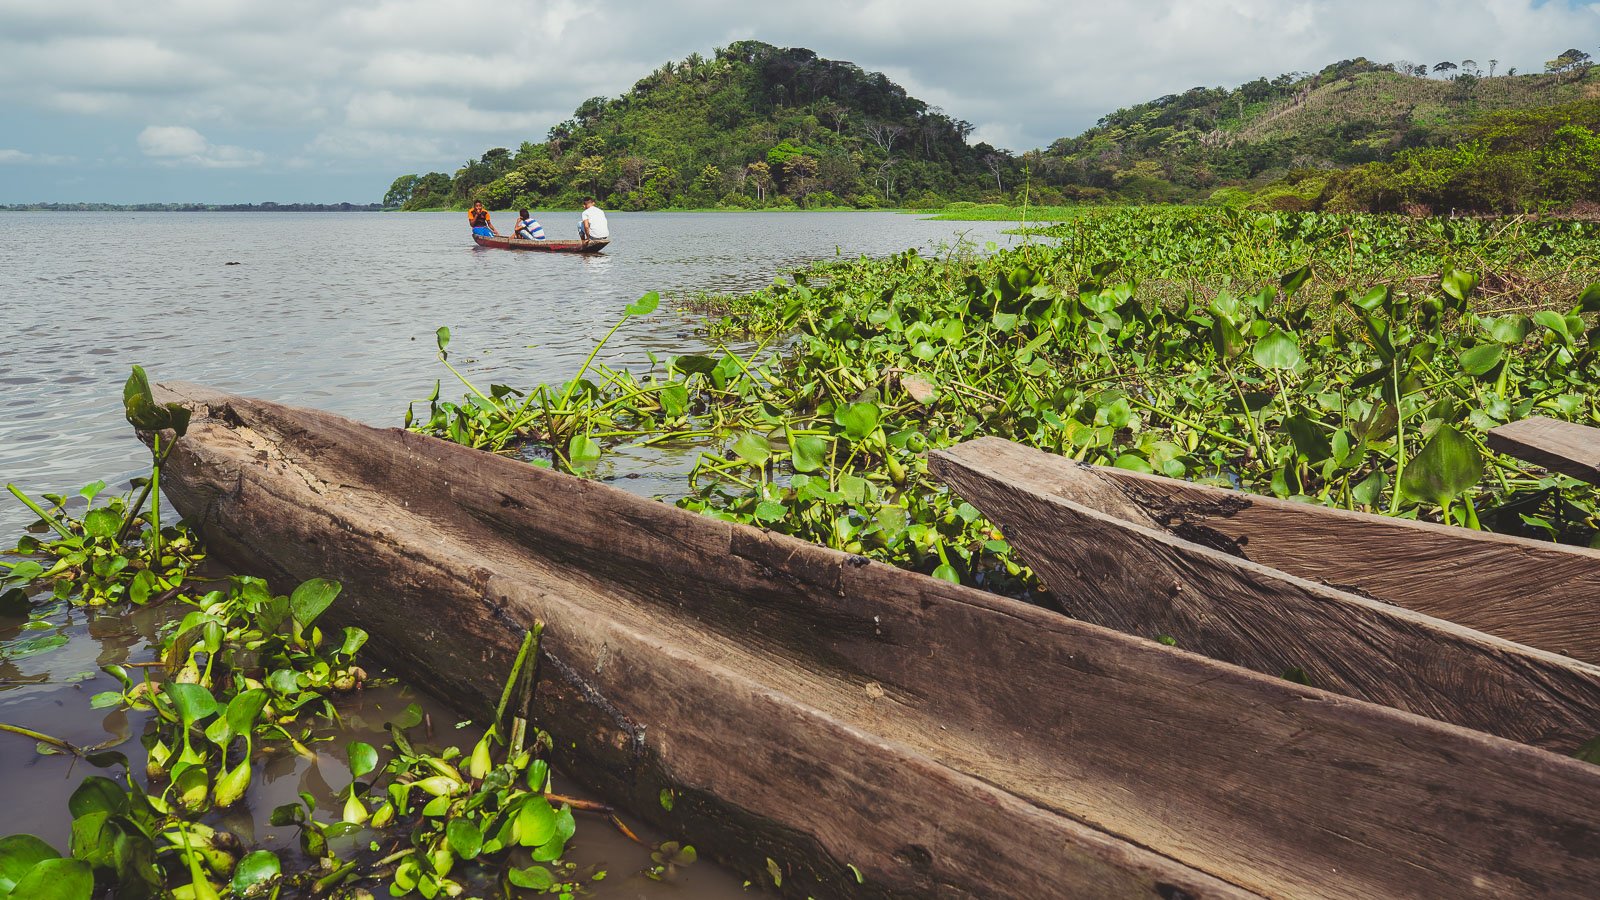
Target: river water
335, 311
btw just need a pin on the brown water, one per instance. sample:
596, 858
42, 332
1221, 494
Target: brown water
335, 311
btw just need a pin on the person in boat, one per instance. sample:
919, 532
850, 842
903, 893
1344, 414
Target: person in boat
593, 225
478, 217
528, 228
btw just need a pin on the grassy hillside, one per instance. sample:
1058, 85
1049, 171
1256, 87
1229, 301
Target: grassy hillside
1184, 147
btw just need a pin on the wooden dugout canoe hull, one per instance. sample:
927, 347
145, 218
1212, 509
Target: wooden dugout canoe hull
836, 716
545, 246
1491, 632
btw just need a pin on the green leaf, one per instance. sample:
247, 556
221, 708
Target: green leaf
18, 854
674, 399
256, 867
1225, 338
1309, 439
1276, 351
536, 821
644, 306
101, 522
137, 386
1553, 321
442, 338
244, 708
192, 701
1132, 463
56, 879
1370, 491
1508, 329
97, 794
858, 419
1458, 284
410, 717
1589, 300
1292, 281
583, 452
311, 599
753, 448
1448, 465
463, 835
948, 573
1482, 358
25, 571
534, 878
363, 758
808, 452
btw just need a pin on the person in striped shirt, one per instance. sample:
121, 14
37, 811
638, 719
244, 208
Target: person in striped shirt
528, 228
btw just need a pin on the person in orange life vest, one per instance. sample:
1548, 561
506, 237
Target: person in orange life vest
478, 217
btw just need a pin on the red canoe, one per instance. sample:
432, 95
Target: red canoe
511, 243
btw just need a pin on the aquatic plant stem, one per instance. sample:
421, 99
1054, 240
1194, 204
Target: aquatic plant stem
40, 736
49, 519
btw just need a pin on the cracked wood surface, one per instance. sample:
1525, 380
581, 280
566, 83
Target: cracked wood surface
1229, 575
820, 709
1565, 447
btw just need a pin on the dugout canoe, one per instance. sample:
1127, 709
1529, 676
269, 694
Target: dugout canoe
1492, 632
862, 730
545, 246
1565, 447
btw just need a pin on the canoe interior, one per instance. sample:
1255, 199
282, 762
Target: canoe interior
546, 246
835, 716
1495, 633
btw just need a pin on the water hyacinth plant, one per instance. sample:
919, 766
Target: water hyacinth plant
245, 676
1352, 361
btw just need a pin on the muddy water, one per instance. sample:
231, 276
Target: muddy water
335, 311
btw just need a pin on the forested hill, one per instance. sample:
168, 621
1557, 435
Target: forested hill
1384, 119
756, 126
752, 126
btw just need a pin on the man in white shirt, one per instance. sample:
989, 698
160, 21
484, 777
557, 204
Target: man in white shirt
593, 226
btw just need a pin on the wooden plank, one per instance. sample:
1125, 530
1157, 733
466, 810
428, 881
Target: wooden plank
1530, 592
1139, 578
820, 709
1565, 447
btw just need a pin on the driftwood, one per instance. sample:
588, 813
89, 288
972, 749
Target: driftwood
1229, 575
1565, 447
835, 715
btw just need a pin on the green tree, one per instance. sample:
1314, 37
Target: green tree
401, 190
588, 170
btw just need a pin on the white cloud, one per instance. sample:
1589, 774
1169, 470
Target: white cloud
174, 145
171, 140
339, 86
14, 156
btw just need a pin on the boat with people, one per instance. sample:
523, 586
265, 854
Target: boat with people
830, 726
503, 242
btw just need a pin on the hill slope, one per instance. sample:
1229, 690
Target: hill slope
754, 125
759, 126
1186, 146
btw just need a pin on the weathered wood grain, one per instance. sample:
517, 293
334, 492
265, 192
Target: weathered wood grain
820, 709
1530, 592
1565, 447
1137, 577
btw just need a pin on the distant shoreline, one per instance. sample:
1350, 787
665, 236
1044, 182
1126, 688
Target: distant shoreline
192, 207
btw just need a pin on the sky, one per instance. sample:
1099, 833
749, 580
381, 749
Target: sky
229, 101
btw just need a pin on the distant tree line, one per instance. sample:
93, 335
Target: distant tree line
192, 207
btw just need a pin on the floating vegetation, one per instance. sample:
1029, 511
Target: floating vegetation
246, 676
1352, 361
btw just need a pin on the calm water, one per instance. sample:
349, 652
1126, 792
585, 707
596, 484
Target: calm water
335, 311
